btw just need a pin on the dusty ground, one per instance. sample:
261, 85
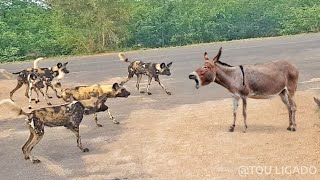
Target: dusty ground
182, 136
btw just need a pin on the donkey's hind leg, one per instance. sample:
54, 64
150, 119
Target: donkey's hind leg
235, 109
244, 104
286, 100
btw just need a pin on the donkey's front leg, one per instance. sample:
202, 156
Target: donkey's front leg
235, 109
244, 104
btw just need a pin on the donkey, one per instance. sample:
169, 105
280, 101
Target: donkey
259, 81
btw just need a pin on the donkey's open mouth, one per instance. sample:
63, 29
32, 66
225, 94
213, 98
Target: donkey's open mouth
194, 76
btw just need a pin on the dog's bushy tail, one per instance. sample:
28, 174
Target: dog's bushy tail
10, 106
6, 74
317, 101
36, 62
123, 57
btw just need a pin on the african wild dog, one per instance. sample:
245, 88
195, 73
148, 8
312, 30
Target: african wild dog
58, 71
152, 70
82, 92
68, 115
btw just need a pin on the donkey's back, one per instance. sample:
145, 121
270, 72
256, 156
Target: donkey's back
268, 79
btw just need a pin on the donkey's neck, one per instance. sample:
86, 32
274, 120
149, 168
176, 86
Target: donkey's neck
227, 77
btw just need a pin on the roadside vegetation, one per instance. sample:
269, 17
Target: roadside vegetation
32, 28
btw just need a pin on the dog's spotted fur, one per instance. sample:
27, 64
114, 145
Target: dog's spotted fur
46, 74
82, 92
68, 115
152, 70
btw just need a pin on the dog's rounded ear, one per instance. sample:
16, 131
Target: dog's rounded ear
115, 86
33, 76
65, 64
169, 64
162, 65
59, 65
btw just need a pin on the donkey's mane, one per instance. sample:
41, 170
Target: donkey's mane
224, 64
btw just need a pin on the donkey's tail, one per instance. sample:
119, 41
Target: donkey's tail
36, 62
317, 101
13, 107
6, 74
123, 57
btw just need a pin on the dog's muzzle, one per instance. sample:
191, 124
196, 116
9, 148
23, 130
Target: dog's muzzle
195, 77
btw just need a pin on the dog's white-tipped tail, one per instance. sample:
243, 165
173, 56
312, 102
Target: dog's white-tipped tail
11, 107
317, 101
6, 74
36, 62
123, 57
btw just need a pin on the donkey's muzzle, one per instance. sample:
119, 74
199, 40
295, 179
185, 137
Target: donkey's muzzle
195, 78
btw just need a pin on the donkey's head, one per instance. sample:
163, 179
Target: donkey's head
207, 73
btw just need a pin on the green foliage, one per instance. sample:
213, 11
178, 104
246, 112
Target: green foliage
30, 28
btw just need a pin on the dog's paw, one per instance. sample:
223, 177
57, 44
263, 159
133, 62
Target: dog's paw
29, 107
116, 122
49, 103
169, 93
26, 157
149, 93
142, 92
37, 101
99, 125
36, 161
85, 150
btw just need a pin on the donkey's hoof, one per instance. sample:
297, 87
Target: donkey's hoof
36, 161
149, 93
99, 125
169, 93
85, 150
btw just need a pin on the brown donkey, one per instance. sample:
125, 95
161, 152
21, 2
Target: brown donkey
259, 81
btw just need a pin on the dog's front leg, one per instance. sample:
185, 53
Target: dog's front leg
48, 84
95, 118
44, 96
164, 88
111, 117
75, 130
30, 94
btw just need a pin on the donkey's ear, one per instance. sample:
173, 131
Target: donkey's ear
205, 56
216, 59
